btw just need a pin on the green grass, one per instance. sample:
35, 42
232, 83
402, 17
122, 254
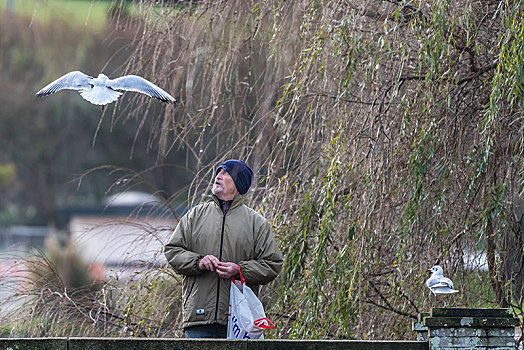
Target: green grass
479, 290
88, 13
92, 14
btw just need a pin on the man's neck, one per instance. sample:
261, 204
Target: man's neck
222, 198
225, 205
228, 197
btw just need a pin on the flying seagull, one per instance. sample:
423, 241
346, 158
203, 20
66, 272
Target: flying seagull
102, 90
438, 284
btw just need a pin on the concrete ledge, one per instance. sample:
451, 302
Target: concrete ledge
336, 345
33, 343
153, 344
192, 344
464, 312
455, 322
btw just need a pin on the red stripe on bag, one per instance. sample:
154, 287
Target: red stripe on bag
264, 323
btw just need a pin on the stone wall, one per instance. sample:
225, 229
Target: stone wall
190, 344
461, 328
33, 344
441, 329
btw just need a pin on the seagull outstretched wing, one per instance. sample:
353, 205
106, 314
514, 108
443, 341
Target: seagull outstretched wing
139, 84
74, 81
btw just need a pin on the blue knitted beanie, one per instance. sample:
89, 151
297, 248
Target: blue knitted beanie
240, 172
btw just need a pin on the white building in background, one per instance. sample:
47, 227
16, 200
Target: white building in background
23, 237
127, 233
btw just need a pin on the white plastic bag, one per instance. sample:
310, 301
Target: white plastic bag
247, 319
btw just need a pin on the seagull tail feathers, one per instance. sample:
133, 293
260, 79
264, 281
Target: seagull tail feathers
100, 96
443, 290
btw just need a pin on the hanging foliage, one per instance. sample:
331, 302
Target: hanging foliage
386, 137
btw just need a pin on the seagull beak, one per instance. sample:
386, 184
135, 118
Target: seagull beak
428, 270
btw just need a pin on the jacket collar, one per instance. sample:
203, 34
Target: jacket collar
238, 200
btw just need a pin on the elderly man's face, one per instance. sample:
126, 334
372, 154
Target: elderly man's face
224, 186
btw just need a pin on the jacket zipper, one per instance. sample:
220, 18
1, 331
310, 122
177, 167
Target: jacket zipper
220, 258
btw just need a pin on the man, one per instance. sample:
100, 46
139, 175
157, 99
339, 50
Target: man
212, 242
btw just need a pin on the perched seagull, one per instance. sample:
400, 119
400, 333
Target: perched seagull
438, 284
102, 90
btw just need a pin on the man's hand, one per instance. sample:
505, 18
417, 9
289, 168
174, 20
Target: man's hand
209, 262
223, 269
227, 269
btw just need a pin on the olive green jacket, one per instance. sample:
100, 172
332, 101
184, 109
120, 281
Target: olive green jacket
241, 236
